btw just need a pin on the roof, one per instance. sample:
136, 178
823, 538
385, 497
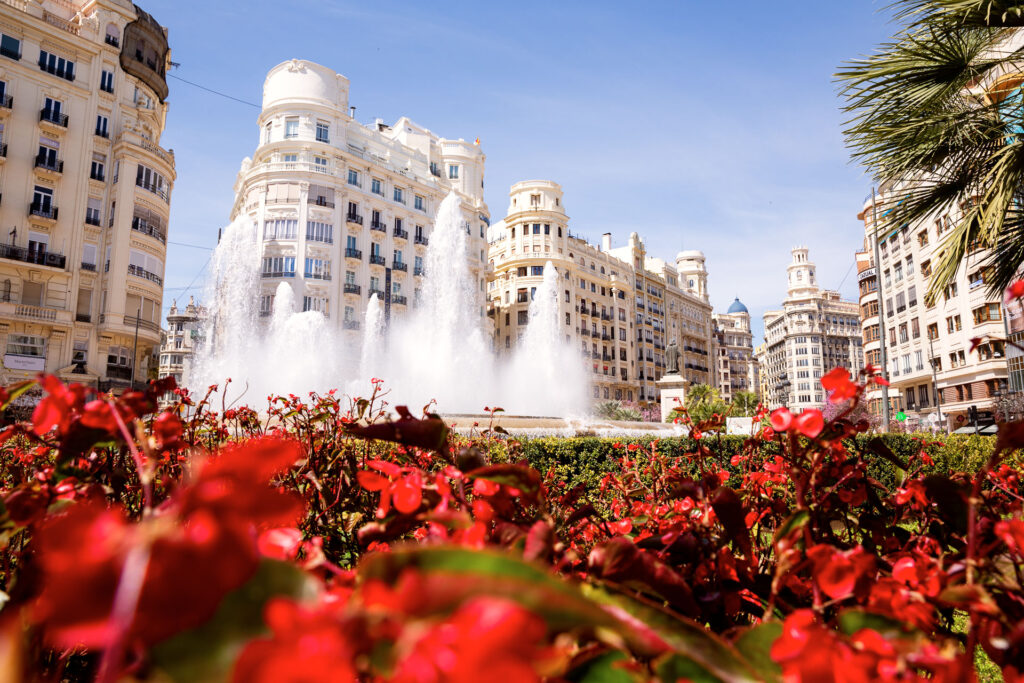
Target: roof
738, 307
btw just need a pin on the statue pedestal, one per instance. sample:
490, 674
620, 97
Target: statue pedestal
673, 393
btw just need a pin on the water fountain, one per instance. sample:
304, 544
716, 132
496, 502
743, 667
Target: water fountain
439, 352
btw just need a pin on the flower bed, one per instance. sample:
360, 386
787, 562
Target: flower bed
336, 544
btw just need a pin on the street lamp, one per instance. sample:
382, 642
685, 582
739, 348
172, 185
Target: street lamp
881, 315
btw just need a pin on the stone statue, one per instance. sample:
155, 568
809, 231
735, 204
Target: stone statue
672, 358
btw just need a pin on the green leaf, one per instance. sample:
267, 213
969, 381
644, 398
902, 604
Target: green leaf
853, 620
207, 653
16, 390
795, 521
681, 668
602, 669
756, 643
644, 624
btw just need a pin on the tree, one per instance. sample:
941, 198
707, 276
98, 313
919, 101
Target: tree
939, 107
744, 404
703, 401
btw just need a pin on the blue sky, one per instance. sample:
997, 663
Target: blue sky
697, 124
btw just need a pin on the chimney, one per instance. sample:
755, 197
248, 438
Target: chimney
351, 112
606, 242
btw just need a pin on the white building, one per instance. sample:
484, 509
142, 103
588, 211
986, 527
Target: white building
183, 335
86, 189
814, 332
345, 210
733, 349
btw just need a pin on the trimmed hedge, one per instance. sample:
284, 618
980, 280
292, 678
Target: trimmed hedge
587, 459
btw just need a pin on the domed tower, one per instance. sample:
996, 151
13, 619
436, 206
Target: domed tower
693, 274
740, 313
802, 281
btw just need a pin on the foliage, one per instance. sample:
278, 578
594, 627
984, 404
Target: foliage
320, 540
614, 410
744, 404
931, 108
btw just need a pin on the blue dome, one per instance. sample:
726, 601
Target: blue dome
738, 307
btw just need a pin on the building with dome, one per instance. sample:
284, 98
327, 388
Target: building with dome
735, 368
344, 210
621, 306
814, 332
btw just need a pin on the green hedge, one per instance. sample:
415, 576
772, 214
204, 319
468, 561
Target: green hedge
587, 459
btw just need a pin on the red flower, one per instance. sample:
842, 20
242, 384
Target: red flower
405, 492
781, 419
167, 429
809, 423
1015, 291
837, 573
838, 385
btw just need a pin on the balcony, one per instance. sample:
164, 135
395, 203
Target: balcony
119, 372
91, 267
53, 165
3, 151
92, 220
158, 190
379, 226
277, 273
112, 41
35, 256
321, 201
354, 218
66, 74
144, 274
132, 321
314, 275
7, 102
83, 318
47, 211
103, 133
352, 288
398, 265
585, 332
376, 260
42, 313
401, 234
143, 226
54, 117
419, 271
97, 175
398, 299
350, 324
371, 292
353, 253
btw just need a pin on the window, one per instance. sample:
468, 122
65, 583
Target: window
418, 203
453, 172
353, 177
58, 66
399, 195
933, 331
279, 266
377, 187
148, 179
522, 317
323, 131
350, 242
912, 296
93, 211
320, 163
119, 356
291, 128
915, 328
102, 126
98, 169
922, 239
986, 313
318, 269
953, 324
903, 335
47, 155
320, 232
397, 256
950, 291
42, 200
536, 270
106, 81
26, 345
280, 229
145, 265
10, 47
80, 352
910, 265
266, 132
418, 264
290, 158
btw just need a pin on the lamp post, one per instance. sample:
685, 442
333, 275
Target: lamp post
881, 315
935, 378
135, 351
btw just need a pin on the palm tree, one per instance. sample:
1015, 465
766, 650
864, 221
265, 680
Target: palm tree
744, 404
938, 109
